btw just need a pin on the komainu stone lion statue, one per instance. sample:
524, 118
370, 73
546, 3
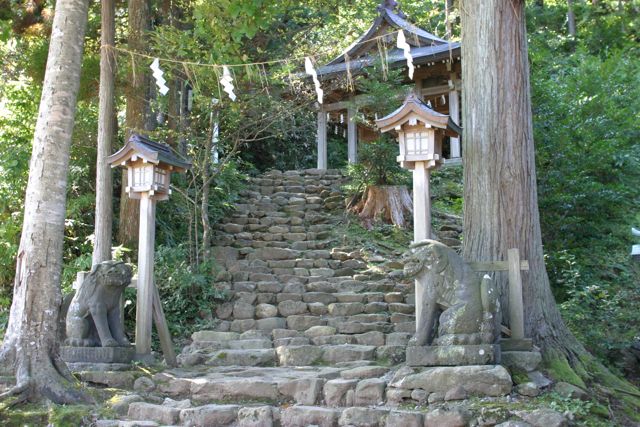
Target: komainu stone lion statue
93, 319
449, 294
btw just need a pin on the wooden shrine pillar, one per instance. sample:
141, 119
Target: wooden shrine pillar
454, 113
352, 135
321, 138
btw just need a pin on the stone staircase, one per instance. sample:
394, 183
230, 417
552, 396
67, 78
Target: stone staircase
314, 332
298, 298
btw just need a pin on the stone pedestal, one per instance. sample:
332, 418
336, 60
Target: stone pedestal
453, 355
97, 354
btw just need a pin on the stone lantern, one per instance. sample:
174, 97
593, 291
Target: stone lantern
149, 165
420, 132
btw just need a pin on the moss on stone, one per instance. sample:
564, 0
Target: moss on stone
559, 368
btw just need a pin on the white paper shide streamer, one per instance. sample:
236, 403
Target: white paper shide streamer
308, 68
158, 75
402, 44
227, 83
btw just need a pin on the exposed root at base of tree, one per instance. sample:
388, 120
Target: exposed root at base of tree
41, 377
585, 371
391, 203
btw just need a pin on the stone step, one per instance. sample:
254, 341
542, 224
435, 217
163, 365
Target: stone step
252, 357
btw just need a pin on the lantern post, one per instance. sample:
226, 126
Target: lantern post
149, 166
420, 132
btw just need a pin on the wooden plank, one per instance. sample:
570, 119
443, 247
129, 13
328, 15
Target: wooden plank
516, 308
322, 139
163, 330
497, 266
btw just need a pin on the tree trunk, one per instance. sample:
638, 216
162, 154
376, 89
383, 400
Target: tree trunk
501, 205
106, 133
136, 98
571, 19
30, 343
390, 203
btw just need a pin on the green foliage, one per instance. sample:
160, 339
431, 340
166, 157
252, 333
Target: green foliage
187, 292
585, 104
376, 165
447, 190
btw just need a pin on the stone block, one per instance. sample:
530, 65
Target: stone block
370, 392
302, 323
243, 310
317, 331
296, 416
242, 325
347, 353
303, 355
345, 309
261, 416
290, 308
305, 391
453, 355
158, 413
335, 391
523, 360
252, 357
266, 310
122, 380
484, 380
322, 297
97, 354
376, 338
209, 415
317, 308
271, 323
404, 419
444, 418
363, 417
363, 372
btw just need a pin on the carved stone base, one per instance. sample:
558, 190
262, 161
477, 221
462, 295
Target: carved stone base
97, 354
453, 355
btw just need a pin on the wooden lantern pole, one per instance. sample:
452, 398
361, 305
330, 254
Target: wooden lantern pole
144, 302
421, 202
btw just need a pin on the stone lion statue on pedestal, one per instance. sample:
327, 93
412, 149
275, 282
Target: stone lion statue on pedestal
449, 294
93, 319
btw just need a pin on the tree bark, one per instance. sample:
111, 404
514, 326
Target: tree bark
501, 205
30, 343
391, 203
571, 19
106, 133
136, 98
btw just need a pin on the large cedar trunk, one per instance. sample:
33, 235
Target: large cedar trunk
501, 205
106, 133
30, 344
136, 98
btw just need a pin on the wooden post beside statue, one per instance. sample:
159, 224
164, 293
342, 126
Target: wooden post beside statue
149, 165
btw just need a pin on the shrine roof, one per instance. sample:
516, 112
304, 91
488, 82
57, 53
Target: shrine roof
425, 47
151, 151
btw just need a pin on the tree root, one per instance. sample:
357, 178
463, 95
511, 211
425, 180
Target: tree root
14, 396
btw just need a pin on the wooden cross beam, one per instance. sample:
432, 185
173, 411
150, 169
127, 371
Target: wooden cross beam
516, 307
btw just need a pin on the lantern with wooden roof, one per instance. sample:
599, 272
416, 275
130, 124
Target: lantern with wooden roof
149, 165
420, 132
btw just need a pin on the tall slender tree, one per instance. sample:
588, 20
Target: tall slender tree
30, 344
106, 133
501, 204
136, 98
